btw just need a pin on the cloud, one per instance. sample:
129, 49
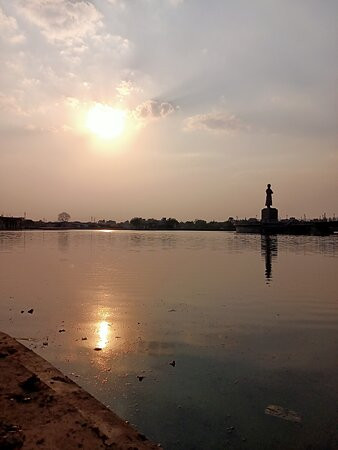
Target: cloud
126, 88
118, 3
153, 109
214, 122
10, 105
62, 21
110, 46
112, 41
9, 29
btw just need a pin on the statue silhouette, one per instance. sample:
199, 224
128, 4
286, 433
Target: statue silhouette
268, 201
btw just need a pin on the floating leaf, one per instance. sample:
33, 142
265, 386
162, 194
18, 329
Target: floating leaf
283, 413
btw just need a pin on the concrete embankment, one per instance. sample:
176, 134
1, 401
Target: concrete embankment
40, 408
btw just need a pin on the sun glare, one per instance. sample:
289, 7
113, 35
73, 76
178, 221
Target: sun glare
106, 122
103, 334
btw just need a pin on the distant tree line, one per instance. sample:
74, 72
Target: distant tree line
136, 223
171, 223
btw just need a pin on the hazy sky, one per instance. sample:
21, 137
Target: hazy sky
218, 98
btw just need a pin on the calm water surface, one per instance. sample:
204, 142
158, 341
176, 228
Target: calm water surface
249, 321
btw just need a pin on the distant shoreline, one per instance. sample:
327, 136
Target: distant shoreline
137, 223
284, 226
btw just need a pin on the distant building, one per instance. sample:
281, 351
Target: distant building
11, 223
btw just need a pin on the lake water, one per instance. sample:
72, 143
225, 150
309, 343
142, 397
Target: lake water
250, 321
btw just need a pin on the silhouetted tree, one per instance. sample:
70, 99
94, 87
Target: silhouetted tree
200, 224
64, 217
172, 223
151, 224
137, 222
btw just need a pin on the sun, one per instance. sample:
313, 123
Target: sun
106, 122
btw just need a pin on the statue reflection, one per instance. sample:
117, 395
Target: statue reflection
269, 249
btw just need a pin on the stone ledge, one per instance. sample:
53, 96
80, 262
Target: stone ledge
40, 408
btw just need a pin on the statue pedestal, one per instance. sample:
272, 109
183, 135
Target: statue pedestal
269, 215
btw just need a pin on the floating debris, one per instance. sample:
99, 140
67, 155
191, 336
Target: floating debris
83, 339
97, 349
140, 377
173, 363
62, 330
283, 413
30, 311
45, 343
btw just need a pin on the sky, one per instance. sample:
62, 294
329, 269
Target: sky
168, 108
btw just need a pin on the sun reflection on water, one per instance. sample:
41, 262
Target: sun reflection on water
103, 333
